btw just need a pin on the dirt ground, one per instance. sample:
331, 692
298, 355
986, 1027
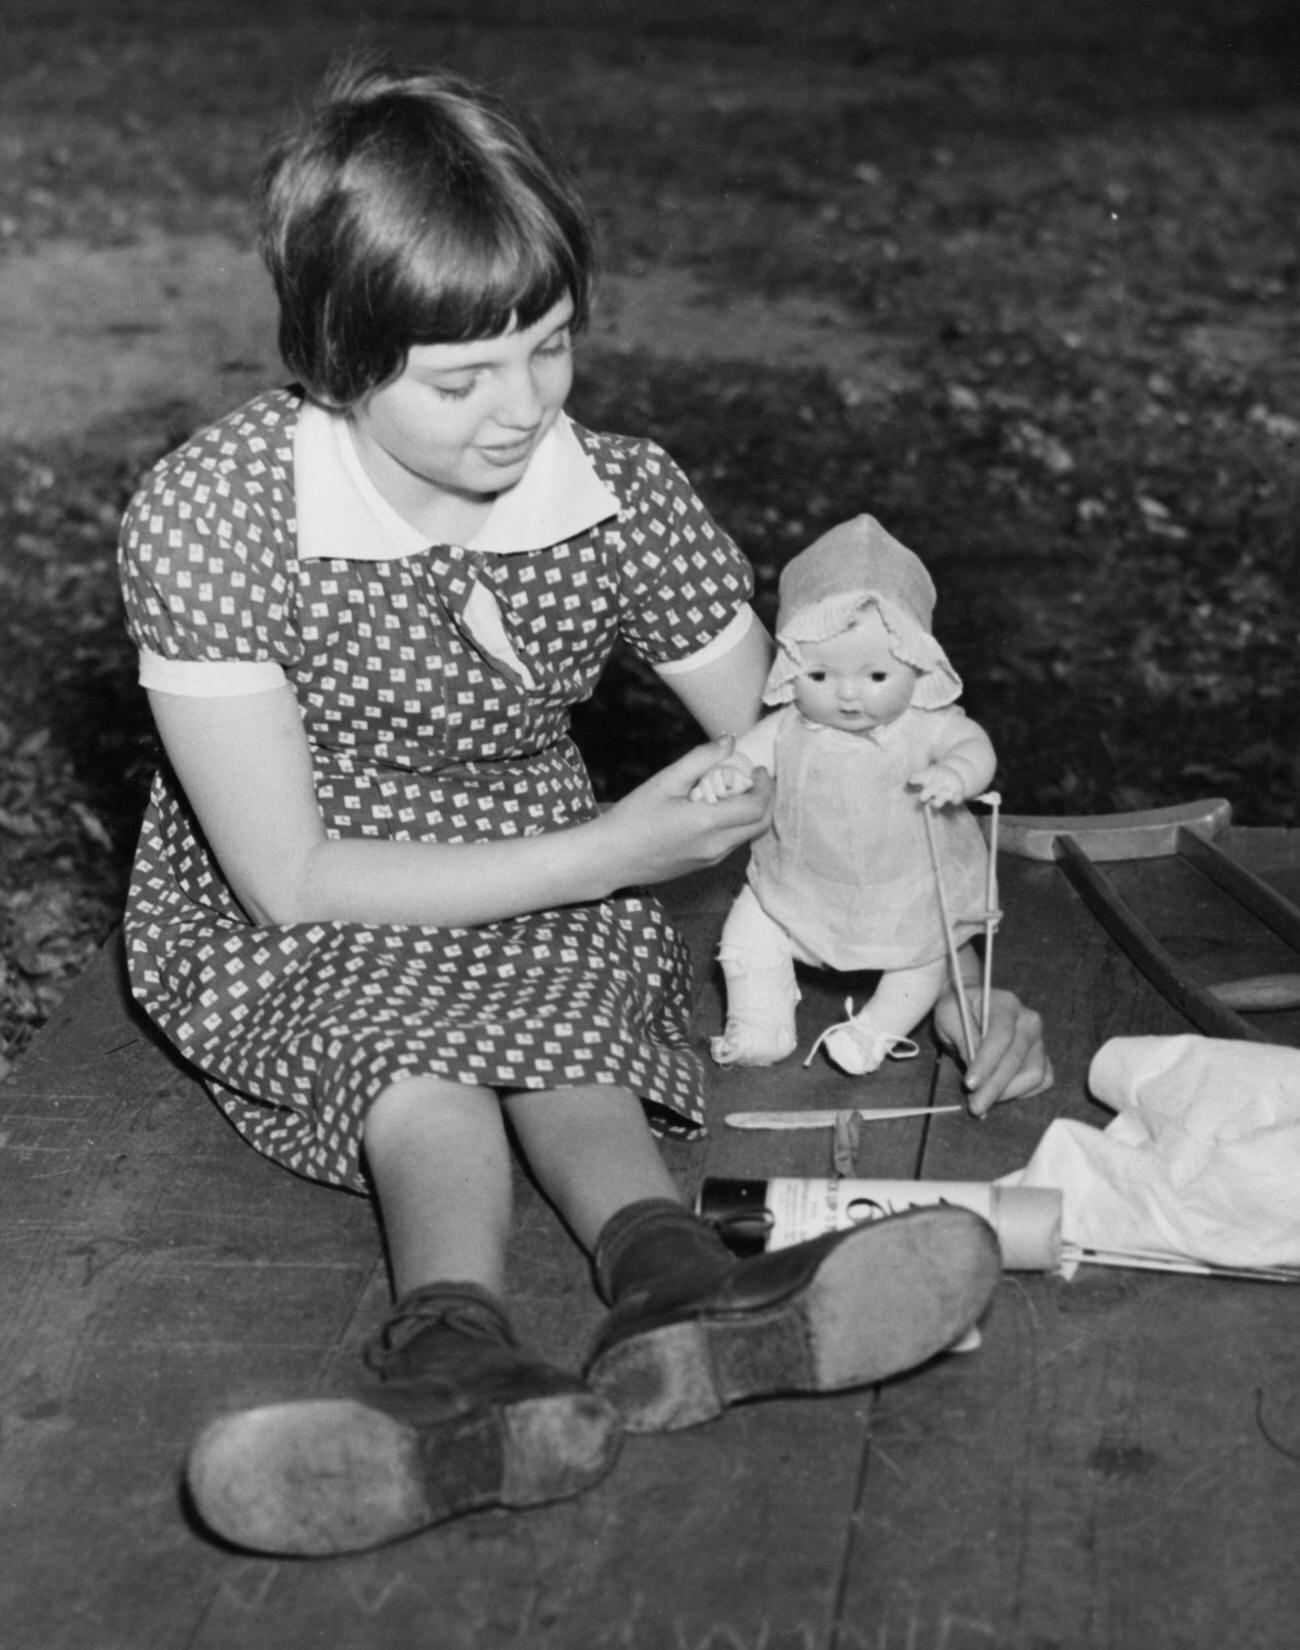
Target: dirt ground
90, 334
1020, 279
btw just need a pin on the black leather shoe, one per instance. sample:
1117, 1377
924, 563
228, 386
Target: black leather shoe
458, 1419
842, 1310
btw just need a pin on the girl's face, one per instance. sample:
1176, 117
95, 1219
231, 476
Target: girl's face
460, 422
852, 681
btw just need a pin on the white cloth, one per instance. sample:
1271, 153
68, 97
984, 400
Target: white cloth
1203, 1158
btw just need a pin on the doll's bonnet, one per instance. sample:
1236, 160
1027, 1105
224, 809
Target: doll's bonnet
855, 566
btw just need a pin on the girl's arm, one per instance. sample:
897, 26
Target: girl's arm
245, 766
726, 695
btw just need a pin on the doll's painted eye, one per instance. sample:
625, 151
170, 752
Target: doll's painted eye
816, 675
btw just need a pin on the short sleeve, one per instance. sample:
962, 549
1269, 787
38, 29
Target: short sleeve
682, 579
207, 552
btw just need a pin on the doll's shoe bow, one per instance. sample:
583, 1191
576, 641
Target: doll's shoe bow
859, 1048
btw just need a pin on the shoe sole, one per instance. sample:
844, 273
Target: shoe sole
336, 1475
886, 1298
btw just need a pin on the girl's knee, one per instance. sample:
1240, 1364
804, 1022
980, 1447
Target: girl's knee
422, 1101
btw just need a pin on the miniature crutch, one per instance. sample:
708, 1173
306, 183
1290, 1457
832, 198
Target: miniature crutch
992, 916
949, 938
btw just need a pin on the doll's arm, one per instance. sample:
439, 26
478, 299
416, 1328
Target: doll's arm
729, 778
962, 765
755, 748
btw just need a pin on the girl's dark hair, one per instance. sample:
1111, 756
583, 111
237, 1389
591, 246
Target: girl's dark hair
412, 208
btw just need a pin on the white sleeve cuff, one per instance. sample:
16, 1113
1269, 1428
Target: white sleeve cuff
208, 678
735, 631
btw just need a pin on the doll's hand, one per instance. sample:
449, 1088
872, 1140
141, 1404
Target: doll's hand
656, 832
1011, 1061
938, 786
723, 781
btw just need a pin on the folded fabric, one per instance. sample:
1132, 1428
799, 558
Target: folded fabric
1203, 1158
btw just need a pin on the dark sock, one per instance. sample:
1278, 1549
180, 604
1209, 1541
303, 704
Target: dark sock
660, 1247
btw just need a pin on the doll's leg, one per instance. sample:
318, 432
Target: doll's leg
903, 998
456, 1415
758, 966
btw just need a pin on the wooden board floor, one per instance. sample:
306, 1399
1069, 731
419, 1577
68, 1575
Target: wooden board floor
1117, 1466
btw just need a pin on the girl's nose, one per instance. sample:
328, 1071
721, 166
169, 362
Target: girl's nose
521, 405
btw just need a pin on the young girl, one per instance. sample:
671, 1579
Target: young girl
869, 735
374, 900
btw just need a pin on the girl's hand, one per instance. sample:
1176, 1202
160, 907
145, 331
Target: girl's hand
1011, 1061
657, 832
938, 786
721, 782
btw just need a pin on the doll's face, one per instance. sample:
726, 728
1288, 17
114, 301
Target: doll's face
852, 681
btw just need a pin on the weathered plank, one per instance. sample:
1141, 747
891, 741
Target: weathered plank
1070, 1483
1111, 1468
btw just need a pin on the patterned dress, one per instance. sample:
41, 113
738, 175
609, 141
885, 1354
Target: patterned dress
418, 730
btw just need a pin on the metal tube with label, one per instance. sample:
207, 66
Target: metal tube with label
754, 1215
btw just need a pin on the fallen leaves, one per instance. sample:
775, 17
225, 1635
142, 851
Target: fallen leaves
73, 741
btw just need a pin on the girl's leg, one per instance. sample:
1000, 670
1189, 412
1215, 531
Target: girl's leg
694, 1329
900, 1002
592, 1152
457, 1416
440, 1162
758, 964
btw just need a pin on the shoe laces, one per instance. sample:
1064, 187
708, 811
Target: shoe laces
867, 1039
423, 1310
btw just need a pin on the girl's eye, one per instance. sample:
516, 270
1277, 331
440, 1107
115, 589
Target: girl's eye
454, 392
559, 345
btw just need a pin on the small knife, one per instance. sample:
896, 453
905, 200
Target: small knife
826, 1119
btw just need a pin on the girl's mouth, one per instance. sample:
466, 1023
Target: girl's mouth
504, 457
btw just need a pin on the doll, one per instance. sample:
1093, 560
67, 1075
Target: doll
868, 734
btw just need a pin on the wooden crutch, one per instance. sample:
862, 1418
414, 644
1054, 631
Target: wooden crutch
1079, 844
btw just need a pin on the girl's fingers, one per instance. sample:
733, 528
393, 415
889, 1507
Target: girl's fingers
1011, 1062
752, 803
684, 774
1009, 1081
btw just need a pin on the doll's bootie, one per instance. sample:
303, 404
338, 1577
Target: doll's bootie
457, 1418
858, 1047
761, 1002
752, 1043
693, 1329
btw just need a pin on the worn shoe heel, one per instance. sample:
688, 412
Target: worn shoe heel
662, 1380
458, 1416
844, 1310
338, 1475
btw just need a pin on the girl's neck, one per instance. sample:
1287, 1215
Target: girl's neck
439, 514
446, 519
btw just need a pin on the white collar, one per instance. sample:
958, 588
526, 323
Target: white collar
342, 515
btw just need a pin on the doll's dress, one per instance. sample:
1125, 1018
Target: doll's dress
845, 867
416, 732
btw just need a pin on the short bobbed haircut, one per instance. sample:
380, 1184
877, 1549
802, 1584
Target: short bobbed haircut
412, 208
